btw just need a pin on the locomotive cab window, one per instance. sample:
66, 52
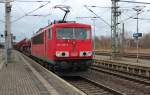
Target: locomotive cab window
64, 33
73, 33
82, 33
50, 33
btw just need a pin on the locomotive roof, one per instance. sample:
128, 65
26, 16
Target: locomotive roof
67, 24
70, 25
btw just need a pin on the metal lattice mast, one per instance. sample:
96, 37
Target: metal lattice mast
114, 26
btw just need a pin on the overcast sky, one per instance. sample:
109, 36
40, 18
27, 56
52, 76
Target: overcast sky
28, 25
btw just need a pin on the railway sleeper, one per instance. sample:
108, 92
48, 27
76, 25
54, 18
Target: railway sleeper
126, 68
110, 65
114, 66
136, 71
148, 74
118, 67
143, 72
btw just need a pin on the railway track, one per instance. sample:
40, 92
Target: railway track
123, 85
128, 55
125, 75
134, 55
132, 69
91, 87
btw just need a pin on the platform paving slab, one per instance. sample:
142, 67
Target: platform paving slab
18, 79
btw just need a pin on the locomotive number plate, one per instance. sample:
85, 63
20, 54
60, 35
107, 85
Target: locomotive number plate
74, 54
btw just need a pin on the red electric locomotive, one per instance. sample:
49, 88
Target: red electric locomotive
65, 46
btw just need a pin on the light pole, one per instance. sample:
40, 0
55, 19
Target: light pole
137, 45
138, 10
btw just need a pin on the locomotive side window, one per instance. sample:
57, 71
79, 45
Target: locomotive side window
39, 39
50, 33
73, 33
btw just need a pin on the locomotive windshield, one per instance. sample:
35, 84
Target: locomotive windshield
73, 33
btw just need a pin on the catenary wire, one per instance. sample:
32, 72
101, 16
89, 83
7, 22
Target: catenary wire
98, 16
30, 12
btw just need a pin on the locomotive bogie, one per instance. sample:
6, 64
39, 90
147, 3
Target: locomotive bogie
73, 65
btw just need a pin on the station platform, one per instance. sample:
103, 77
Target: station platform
19, 77
130, 61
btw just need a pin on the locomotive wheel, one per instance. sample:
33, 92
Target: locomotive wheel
51, 67
46, 65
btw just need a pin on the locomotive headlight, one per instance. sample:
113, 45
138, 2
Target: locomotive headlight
89, 53
86, 53
62, 54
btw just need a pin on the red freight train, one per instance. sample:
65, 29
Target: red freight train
65, 46
24, 46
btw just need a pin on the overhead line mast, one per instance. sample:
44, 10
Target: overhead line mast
114, 27
8, 35
8, 39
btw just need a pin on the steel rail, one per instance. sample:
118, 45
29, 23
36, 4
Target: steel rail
126, 75
86, 84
